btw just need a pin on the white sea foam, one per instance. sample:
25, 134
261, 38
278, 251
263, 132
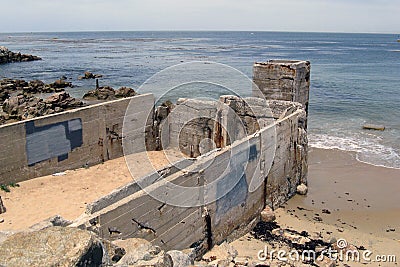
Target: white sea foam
368, 150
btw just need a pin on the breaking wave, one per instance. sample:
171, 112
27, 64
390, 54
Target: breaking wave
368, 150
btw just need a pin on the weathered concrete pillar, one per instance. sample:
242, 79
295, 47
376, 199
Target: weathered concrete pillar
283, 80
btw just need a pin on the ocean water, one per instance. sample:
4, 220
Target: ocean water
355, 77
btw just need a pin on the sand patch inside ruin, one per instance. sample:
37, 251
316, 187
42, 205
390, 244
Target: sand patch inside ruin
67, 195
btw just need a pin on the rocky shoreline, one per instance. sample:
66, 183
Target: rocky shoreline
18, 99
7, 56
19, 102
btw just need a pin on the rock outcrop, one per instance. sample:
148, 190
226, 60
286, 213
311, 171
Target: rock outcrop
19, 103
21, 107
54, 246
7, 56
108, 93
60, 84
89, 75
101, 93
9, 86
124, 92
62, 100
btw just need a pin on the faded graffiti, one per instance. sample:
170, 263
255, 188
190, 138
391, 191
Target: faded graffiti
235, 198
54, 140
236, 179
253, 153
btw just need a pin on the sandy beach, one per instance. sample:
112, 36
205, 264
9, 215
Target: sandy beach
347, 200
358, 195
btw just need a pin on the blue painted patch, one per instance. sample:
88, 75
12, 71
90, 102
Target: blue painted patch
54, 140
253, 153
236, 197
62, 157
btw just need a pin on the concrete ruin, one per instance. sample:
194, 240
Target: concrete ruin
283, 80
254, 150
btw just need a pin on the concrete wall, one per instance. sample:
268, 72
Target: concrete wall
189, 123
289, 167
196, 126
241, 168
283, 80
286, 80
68, 140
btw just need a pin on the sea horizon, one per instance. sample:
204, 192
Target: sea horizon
196, 30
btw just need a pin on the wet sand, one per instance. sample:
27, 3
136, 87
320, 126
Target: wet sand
347, 200
357, 195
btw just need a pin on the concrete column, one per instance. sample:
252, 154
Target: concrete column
283, 80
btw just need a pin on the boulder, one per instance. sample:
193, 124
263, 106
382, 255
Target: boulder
374, 127
89, 75
302, 189
106, 93
268, 215
176, 258
125, 92
114, 252
54, 246
56, 98
102, 93
35, 86
63, 100
60, 84
139, 252
13, 105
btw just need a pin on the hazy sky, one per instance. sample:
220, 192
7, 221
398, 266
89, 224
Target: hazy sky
253, 15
